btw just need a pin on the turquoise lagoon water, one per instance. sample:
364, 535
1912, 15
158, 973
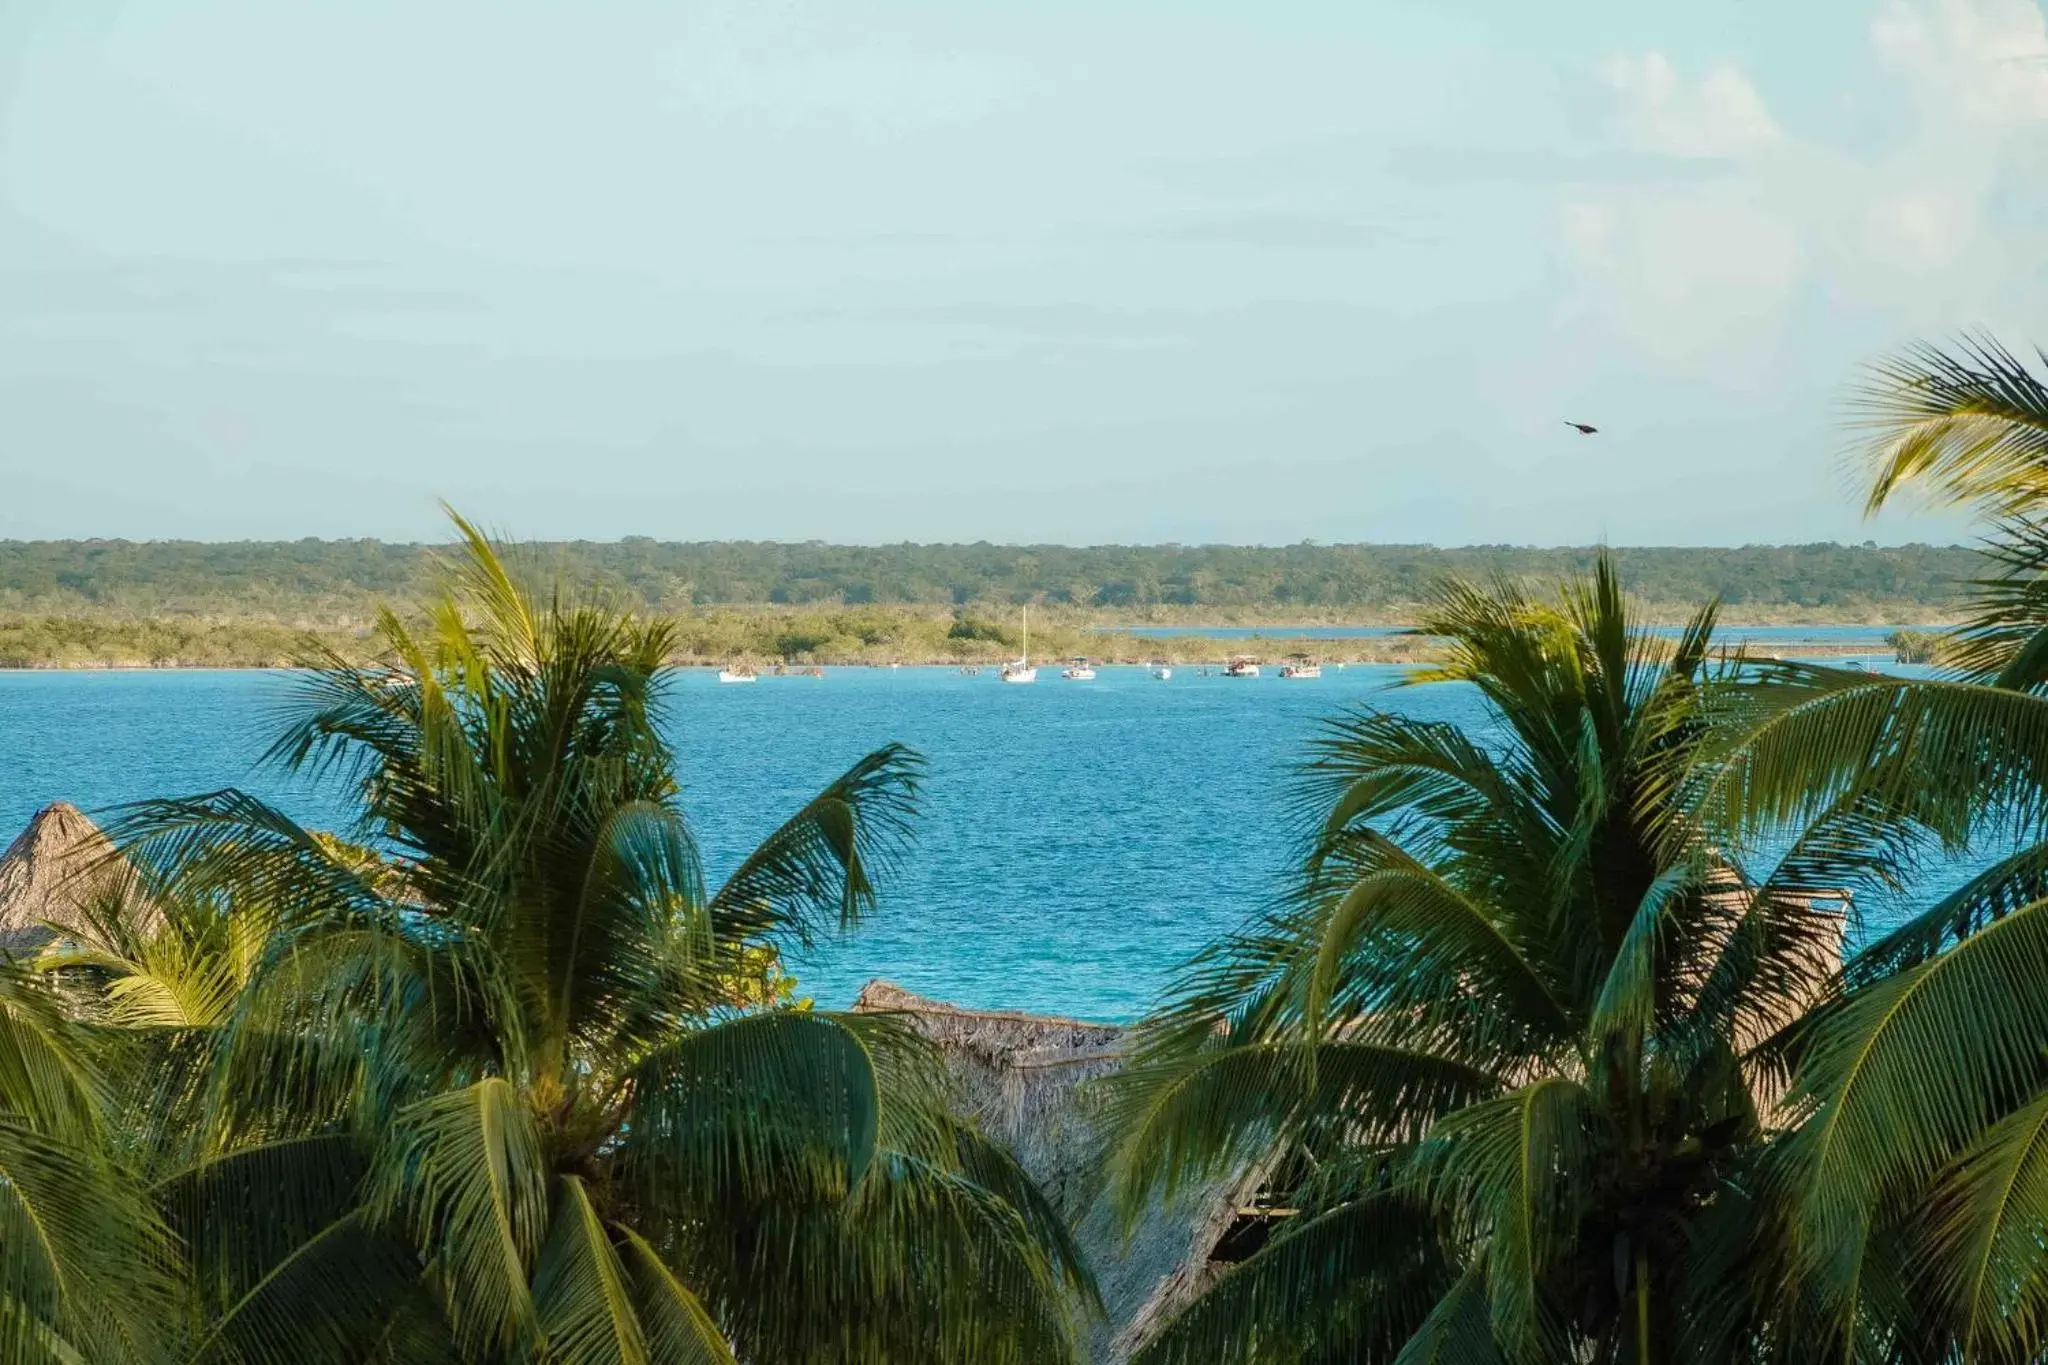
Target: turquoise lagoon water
1077, 841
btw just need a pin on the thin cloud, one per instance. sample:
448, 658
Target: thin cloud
1719, 115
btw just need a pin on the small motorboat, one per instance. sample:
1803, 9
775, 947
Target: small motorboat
1162, 672
1241, 666
1302, 668
738, 673
1078, 670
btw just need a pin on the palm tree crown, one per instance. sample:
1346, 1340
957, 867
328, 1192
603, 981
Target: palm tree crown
489, 1086
1916, 1184
1503, 1046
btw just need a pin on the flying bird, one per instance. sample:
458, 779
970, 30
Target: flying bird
1580, 427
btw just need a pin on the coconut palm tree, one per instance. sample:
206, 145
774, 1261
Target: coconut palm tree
1967, 426
1917, 1183
1506, 1056
84, 1259
477, 1084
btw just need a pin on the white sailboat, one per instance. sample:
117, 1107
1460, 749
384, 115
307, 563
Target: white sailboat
1020, 670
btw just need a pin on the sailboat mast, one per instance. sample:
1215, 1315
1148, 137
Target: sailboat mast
1027, 635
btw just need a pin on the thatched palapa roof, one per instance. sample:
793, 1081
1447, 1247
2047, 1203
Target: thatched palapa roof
53, 874
1018, 1076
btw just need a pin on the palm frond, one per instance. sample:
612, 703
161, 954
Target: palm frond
1971, 420
1905, 1075
1524, 1164
242, 1212
922, 1263
1217, 1112
817, 871
1355, 1283
327, 1302
581, 1288
46, 1078
992, 1168
1934, 752
1986, 1221
82, 1256
678, 1328
465, 1170
1458, 1330
2003, 637
787, 1101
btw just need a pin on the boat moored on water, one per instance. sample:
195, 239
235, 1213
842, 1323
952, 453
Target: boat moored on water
1019, 670
738, 673
1162, 671
1078, 670
1301, 668
1241, 666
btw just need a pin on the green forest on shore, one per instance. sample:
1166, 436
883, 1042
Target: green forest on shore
116, 603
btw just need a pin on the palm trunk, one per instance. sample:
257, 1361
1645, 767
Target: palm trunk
1643, 1353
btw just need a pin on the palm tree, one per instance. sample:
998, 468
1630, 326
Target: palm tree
1969, 427
1507, 1052
478, 1085
84, 1258
1918, 1180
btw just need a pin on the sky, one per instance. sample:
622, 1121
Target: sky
1058, 270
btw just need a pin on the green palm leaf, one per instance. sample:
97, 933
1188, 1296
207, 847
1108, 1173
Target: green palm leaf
581, 1289
817, 870
1987, 1220
1355, 1283
1457, 1330
466, 1171
83, 1260
1906, 1073
1971, 420
1524, 1164
679, 1330
329, 1301
1186, 1120
773, 1101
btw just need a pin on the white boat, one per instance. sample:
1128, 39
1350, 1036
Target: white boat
1162, 672
738, 673
1241, 666
1078, 671
1302, 668
1019, 670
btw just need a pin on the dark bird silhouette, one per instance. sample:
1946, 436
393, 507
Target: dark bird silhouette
1580, 427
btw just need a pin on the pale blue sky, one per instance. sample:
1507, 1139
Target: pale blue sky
1074, 270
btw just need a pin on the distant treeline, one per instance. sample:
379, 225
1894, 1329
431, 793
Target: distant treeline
334, 583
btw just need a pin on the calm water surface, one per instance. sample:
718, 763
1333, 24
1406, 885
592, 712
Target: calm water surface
1078, 840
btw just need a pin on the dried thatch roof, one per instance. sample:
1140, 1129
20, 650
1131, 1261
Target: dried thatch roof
52, 873
1018, 1076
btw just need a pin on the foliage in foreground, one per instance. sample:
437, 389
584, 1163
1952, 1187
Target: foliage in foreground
1877, 1188
1507, 1050
489, 1083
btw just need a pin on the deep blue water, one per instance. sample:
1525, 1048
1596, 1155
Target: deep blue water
1077, 842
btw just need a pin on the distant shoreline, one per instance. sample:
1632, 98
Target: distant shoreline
1113, 647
